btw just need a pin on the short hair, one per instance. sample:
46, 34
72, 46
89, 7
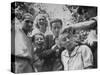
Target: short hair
33, 37
56, 20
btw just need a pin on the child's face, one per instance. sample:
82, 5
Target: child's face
39, 40
56, 27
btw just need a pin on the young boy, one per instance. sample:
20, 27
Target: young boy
41, 54
75, 56
55, 26
38, 47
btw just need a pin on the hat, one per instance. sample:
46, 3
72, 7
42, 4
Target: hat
27, 16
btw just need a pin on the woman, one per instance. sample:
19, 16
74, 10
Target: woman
40, 24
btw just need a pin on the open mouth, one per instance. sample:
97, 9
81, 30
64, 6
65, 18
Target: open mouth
40, 43
41, 23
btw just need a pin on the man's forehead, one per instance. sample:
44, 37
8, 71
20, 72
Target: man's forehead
42, 17
38, 35
56, 24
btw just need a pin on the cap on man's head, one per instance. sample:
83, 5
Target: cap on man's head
27, 16
56, 20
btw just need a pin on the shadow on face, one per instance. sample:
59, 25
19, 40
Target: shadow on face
39, 40
42, 24
56, 27
68, 42
28, 26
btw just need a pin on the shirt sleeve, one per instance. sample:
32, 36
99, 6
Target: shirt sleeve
64, 59
87, 56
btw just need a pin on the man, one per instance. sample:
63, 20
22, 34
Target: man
23, 46
54, 60
55, 26
27, 24
75, 56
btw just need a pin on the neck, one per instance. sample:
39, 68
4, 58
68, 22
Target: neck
70, 50
56, 36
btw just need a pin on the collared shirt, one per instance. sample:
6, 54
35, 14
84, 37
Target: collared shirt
80, 58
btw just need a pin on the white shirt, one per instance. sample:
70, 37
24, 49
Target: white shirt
80, 58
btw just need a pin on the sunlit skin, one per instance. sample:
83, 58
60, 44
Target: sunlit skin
67, 42
29, 25
56, 27
39, 40
42, 23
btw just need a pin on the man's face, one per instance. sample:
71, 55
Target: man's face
28, 25
39, 40
67, 42
42, 22
56, 27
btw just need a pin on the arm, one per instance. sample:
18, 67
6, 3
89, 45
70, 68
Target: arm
87, 57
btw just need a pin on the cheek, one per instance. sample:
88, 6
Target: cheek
56, 31
71, 44
43, 27
42, 41
53, 30
36, 42
63, 44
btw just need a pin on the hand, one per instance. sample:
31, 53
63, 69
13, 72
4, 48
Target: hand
54, 47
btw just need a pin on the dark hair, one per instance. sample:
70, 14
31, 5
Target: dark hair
33, 37
56, 20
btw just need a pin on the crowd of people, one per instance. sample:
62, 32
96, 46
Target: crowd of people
41, 45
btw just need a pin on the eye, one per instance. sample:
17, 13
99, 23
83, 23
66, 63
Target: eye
64, 39
37, 39
41, 38
28, 21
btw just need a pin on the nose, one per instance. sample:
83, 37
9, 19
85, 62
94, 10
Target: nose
30, 24
39, 40
67, 40
56, 29
41, 20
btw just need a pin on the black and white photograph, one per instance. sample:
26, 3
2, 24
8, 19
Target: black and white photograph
48, 37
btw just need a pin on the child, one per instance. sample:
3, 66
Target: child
41, 55
75, 56
38, 47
